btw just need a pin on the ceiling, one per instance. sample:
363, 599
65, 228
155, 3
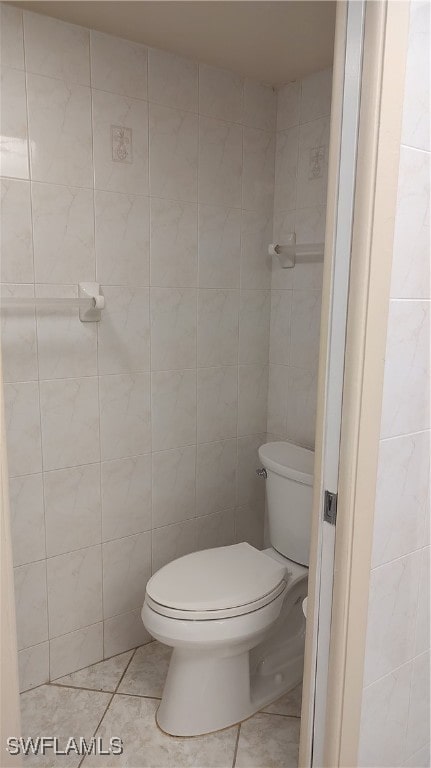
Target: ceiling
273, 42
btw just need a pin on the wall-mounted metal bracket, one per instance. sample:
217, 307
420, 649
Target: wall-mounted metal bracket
91, 314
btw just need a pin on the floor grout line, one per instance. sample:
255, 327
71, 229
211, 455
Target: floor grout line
278, 714
235, 752
110, 701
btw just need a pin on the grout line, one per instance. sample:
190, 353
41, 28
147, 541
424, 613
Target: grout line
278, 714
109, 702
97, 690
236, 746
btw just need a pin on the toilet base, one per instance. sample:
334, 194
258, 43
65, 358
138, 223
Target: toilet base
207, 694
204, 693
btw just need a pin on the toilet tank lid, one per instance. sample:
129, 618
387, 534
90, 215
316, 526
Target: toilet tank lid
288, 460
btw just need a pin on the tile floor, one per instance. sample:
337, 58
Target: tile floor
120, 696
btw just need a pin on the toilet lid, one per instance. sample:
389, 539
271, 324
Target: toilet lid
216, 579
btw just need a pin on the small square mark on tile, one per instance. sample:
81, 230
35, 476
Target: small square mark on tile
317, 159
121, 144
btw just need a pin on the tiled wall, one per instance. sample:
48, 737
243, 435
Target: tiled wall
395, 728
302, 141
133, 441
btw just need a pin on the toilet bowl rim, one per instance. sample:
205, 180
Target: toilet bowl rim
213, 633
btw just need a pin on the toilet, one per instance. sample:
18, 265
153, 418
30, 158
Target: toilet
233, 615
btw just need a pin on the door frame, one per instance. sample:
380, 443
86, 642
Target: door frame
384, 62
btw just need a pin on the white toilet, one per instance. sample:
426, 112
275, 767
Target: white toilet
233, 615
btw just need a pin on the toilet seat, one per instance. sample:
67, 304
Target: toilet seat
216, 583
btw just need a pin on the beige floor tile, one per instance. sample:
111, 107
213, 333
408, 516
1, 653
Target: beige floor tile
147, 671
62, 712
146, 746
268, 741
289, 704
103, 676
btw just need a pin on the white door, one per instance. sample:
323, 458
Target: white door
336, 330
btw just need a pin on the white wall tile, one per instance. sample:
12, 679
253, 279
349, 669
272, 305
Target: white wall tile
416, 114
279, 341
216, 530
118, 66
75, 650
251, 488
13, 145
305, 326
70, 428
410, 265
23, 428
12, 47
124, 331
316, 95
220, 162
172, 80
126, 570
418, 724
59, 120
311, 189
309, 228
384, 716
405, 399
277, 399
27, 519
283, 226
286, 161
256, 233
391, 616
124, 415
254, 324
219, 246
72, 508
126, 496
66, 347
217, 403
16, 233
288, 105
33, 666
63, 231
420, 759
74, 590
115, 111
402, 496
172, 541
216, 476
122, 229
31, 604
260, 105
120, 633
422, 641
173, 328
18, 336
174, 485
174, 243
301, 406
258, 170
220, 93
173, 153
173, 409
249, 525
217, 327
252, 399
56, 49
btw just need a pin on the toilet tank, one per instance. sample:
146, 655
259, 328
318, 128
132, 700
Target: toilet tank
289, 494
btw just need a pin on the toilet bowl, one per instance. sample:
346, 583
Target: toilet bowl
233, 615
